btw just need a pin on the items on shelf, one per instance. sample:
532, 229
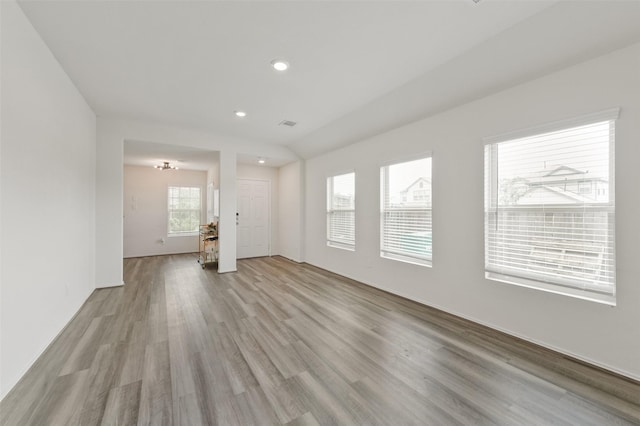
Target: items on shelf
208, 244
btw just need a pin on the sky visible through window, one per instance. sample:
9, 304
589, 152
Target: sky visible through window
402, 175
343, 184
585, 148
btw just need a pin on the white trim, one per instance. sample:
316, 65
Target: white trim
406, 259
525, 338
341, 246
583, 120
578, 293
110, 285
487, 324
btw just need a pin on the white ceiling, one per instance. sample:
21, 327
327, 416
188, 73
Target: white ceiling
356, 67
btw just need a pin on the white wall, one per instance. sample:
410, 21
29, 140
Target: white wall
607, 336
109, 193
291, 217
48, 197
270, 174
145, 210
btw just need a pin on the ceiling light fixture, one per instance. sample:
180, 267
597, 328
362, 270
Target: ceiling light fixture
166, 166
280, 65
261, 160
240, 113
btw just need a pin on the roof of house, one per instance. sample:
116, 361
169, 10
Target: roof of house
551, 195
560, 173
420, 179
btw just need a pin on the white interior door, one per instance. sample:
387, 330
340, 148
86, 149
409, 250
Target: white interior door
253, 218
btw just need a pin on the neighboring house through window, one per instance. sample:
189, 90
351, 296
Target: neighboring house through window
405, 211
185, 207
550, 208
341, 213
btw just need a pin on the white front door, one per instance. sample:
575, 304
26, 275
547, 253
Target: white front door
253, 218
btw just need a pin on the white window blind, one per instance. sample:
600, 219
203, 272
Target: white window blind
184, 210
341, 213
405, 211
550, 210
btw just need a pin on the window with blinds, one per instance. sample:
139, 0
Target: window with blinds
550, 209
405, 211
184, 210
341, 211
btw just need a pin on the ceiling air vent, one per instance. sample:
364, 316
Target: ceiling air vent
287, 123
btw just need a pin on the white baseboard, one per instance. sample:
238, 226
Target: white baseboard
110, 285
503, 330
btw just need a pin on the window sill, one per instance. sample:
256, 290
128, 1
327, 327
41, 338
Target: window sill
552, 288
186, 234
341, 246
407, 259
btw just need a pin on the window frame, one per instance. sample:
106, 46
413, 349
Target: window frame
560, 286
330, 210
172, 234
385, 252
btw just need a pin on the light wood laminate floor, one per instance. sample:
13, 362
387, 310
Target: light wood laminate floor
282, 343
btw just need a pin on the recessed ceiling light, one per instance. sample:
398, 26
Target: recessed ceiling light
240, 113
280, 65
261, 160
